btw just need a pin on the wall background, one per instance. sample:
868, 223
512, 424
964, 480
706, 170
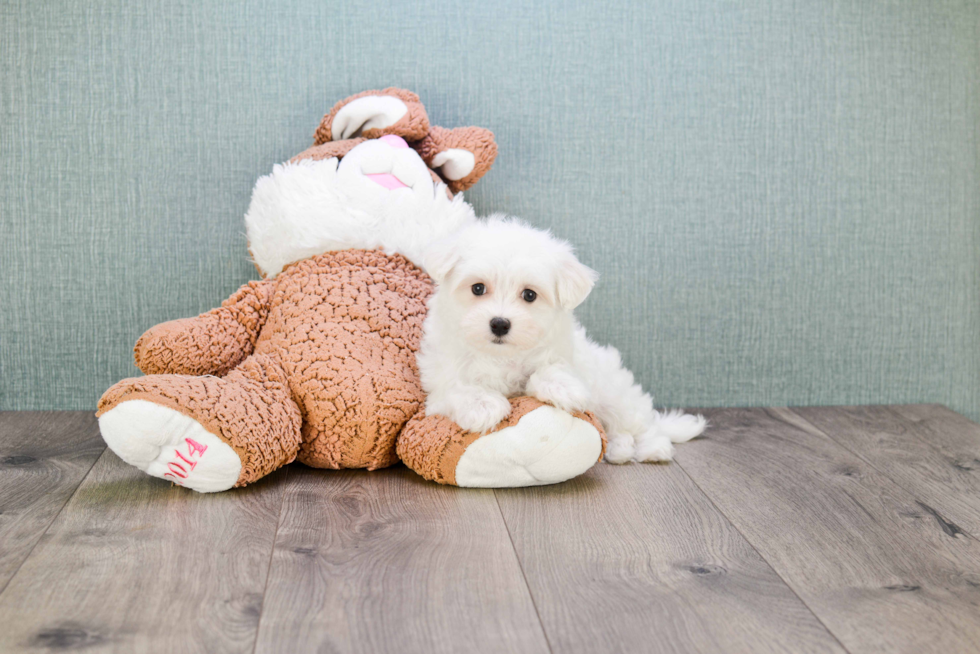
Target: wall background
783, 197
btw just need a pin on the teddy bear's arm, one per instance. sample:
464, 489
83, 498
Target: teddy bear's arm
212, 343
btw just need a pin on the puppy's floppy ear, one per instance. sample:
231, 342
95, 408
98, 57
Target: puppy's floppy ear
440, 259
575, 281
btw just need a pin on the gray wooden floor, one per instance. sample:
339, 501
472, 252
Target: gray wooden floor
805, 530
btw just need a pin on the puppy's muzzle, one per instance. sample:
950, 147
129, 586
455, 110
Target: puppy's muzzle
499, 326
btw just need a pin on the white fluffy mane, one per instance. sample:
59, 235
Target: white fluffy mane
307, 208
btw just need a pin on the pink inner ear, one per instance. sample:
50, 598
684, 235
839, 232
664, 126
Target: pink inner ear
387, 180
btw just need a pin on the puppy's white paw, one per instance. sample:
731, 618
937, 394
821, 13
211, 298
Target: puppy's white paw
619, 449
480, 413
558, 388
658, 448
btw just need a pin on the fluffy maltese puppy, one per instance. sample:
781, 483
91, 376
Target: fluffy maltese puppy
500, 325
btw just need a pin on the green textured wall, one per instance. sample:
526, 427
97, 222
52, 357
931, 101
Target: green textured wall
783, 197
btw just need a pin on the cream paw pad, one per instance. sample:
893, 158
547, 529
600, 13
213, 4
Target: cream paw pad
167, 444
535, 445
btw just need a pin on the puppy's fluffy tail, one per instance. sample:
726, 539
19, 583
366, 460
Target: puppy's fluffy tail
678, 426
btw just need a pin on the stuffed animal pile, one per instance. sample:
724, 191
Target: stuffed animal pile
316, 362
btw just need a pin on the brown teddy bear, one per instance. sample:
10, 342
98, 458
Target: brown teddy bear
316, 361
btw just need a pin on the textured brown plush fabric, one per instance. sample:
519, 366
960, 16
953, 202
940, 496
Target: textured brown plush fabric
346, 326
477, 140
210, 344
331, 375
250, 409
328, 150
411, 127
433, 445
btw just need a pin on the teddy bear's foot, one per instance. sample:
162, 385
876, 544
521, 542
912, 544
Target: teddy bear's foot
167, 444
536, 445
545, 446
159, 420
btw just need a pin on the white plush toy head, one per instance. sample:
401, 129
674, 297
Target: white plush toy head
391, 181
503, 285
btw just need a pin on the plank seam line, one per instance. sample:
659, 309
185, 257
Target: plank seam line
881, 472
761, 557
520, 565
272, 553
55, 517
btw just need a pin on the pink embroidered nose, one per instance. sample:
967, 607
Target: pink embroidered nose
394, 141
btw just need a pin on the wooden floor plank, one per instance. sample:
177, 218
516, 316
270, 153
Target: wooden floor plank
883, 570
386, 562
43, 458
928, 450
636, 559
134, 564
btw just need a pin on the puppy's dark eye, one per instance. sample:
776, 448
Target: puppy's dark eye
479, 289
529, 295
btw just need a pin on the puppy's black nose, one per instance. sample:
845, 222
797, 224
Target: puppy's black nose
499, 326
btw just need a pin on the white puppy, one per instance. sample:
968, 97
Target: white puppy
500, 325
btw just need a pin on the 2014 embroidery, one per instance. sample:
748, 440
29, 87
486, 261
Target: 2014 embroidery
178, 471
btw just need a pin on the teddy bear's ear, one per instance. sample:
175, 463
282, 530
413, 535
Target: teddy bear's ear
372, 114
575, 281
328, 150
462, 155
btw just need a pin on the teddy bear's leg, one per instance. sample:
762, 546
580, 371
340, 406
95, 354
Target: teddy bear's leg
365, 402
536, 445
206, 433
